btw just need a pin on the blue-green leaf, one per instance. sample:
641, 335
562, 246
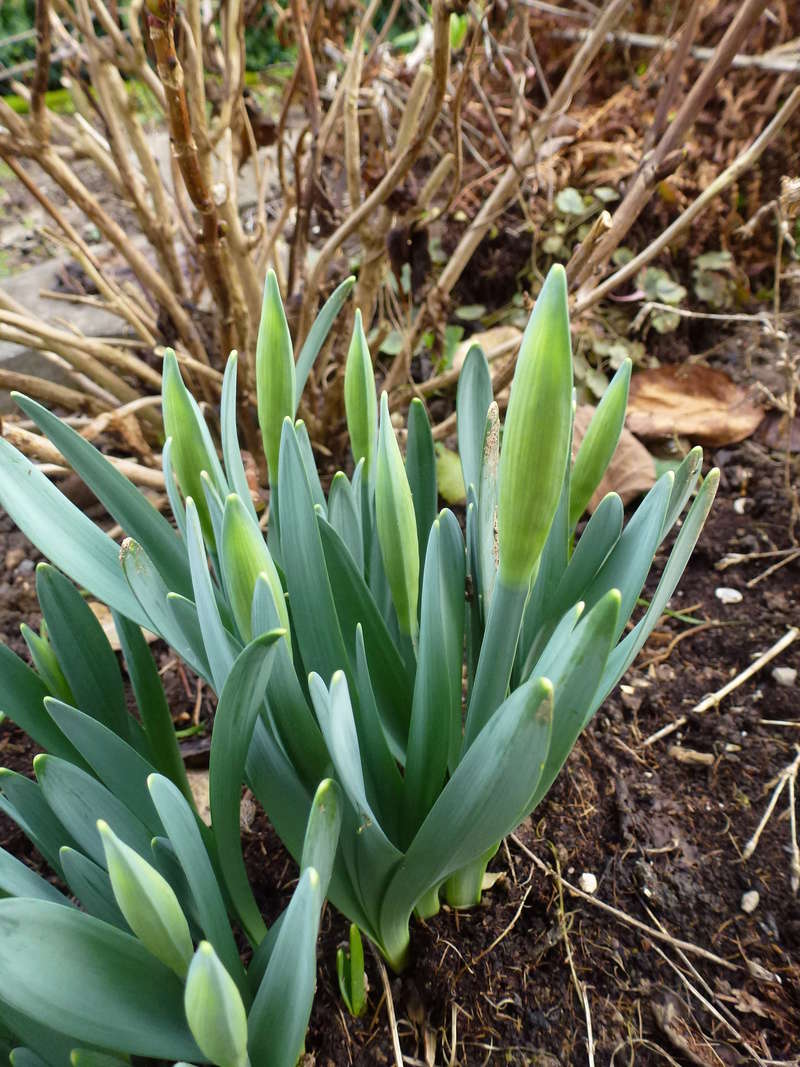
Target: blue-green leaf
91, 981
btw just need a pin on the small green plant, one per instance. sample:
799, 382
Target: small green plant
384, 604
141, 958
350, 972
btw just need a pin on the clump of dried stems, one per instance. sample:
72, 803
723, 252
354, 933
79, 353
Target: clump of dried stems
193, 275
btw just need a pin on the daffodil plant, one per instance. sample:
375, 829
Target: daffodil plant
135, 953
440, 671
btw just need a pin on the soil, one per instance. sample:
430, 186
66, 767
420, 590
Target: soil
663, 837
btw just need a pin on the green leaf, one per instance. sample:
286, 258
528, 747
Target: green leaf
344, 515
152, 703
361, 406
629, 562
80, 800
91, 885
311, 602
154, 611
84, 653
120, 497
318, 334
62, 533
350, 972
192, 450
184, 833
219, 644
487, 508
22, 693
24, 802
570, 202
214, 1010
148, 903
435, 733
355, 607
473, 397
282, 1006
118, 766
289, 714
46, 662
231, 453
396, 522
421, 469
91, 981
275, 372
238, 707
322, 832
627, 650
18, 880
575, 670
536, 438
599, 443
476, 808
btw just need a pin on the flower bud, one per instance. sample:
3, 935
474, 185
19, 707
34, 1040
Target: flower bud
360, 401
535, 449
275, 373
192, 450
243, 557
214, 1010
397, 526
147, 902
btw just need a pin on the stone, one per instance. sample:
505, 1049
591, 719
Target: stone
784, 675
588, 882
750, 901
727, 595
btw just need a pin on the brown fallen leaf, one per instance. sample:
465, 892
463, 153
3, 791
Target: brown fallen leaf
693, 401
106, 620
497, 340
675, 1021
631, 471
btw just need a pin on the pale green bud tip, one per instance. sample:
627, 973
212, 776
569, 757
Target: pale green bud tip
535, 451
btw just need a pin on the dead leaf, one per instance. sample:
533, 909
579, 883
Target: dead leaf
631, 471
693, 401
773, 432
198, 783
499, 340
672, 1017
104, 617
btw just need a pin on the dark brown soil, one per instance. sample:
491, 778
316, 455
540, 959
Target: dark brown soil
663, 837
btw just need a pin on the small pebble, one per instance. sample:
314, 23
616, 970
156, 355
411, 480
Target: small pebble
26, 567
728, 596
750, 901
588, 882
739, 505
14, 557
784, 675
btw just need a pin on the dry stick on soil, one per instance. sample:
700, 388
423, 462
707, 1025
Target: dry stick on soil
621, 916
714, 699
305, 199
580, 988
669, 95
387, 993
38, 447
787, 775
775, 567
667, 152
711, 1008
